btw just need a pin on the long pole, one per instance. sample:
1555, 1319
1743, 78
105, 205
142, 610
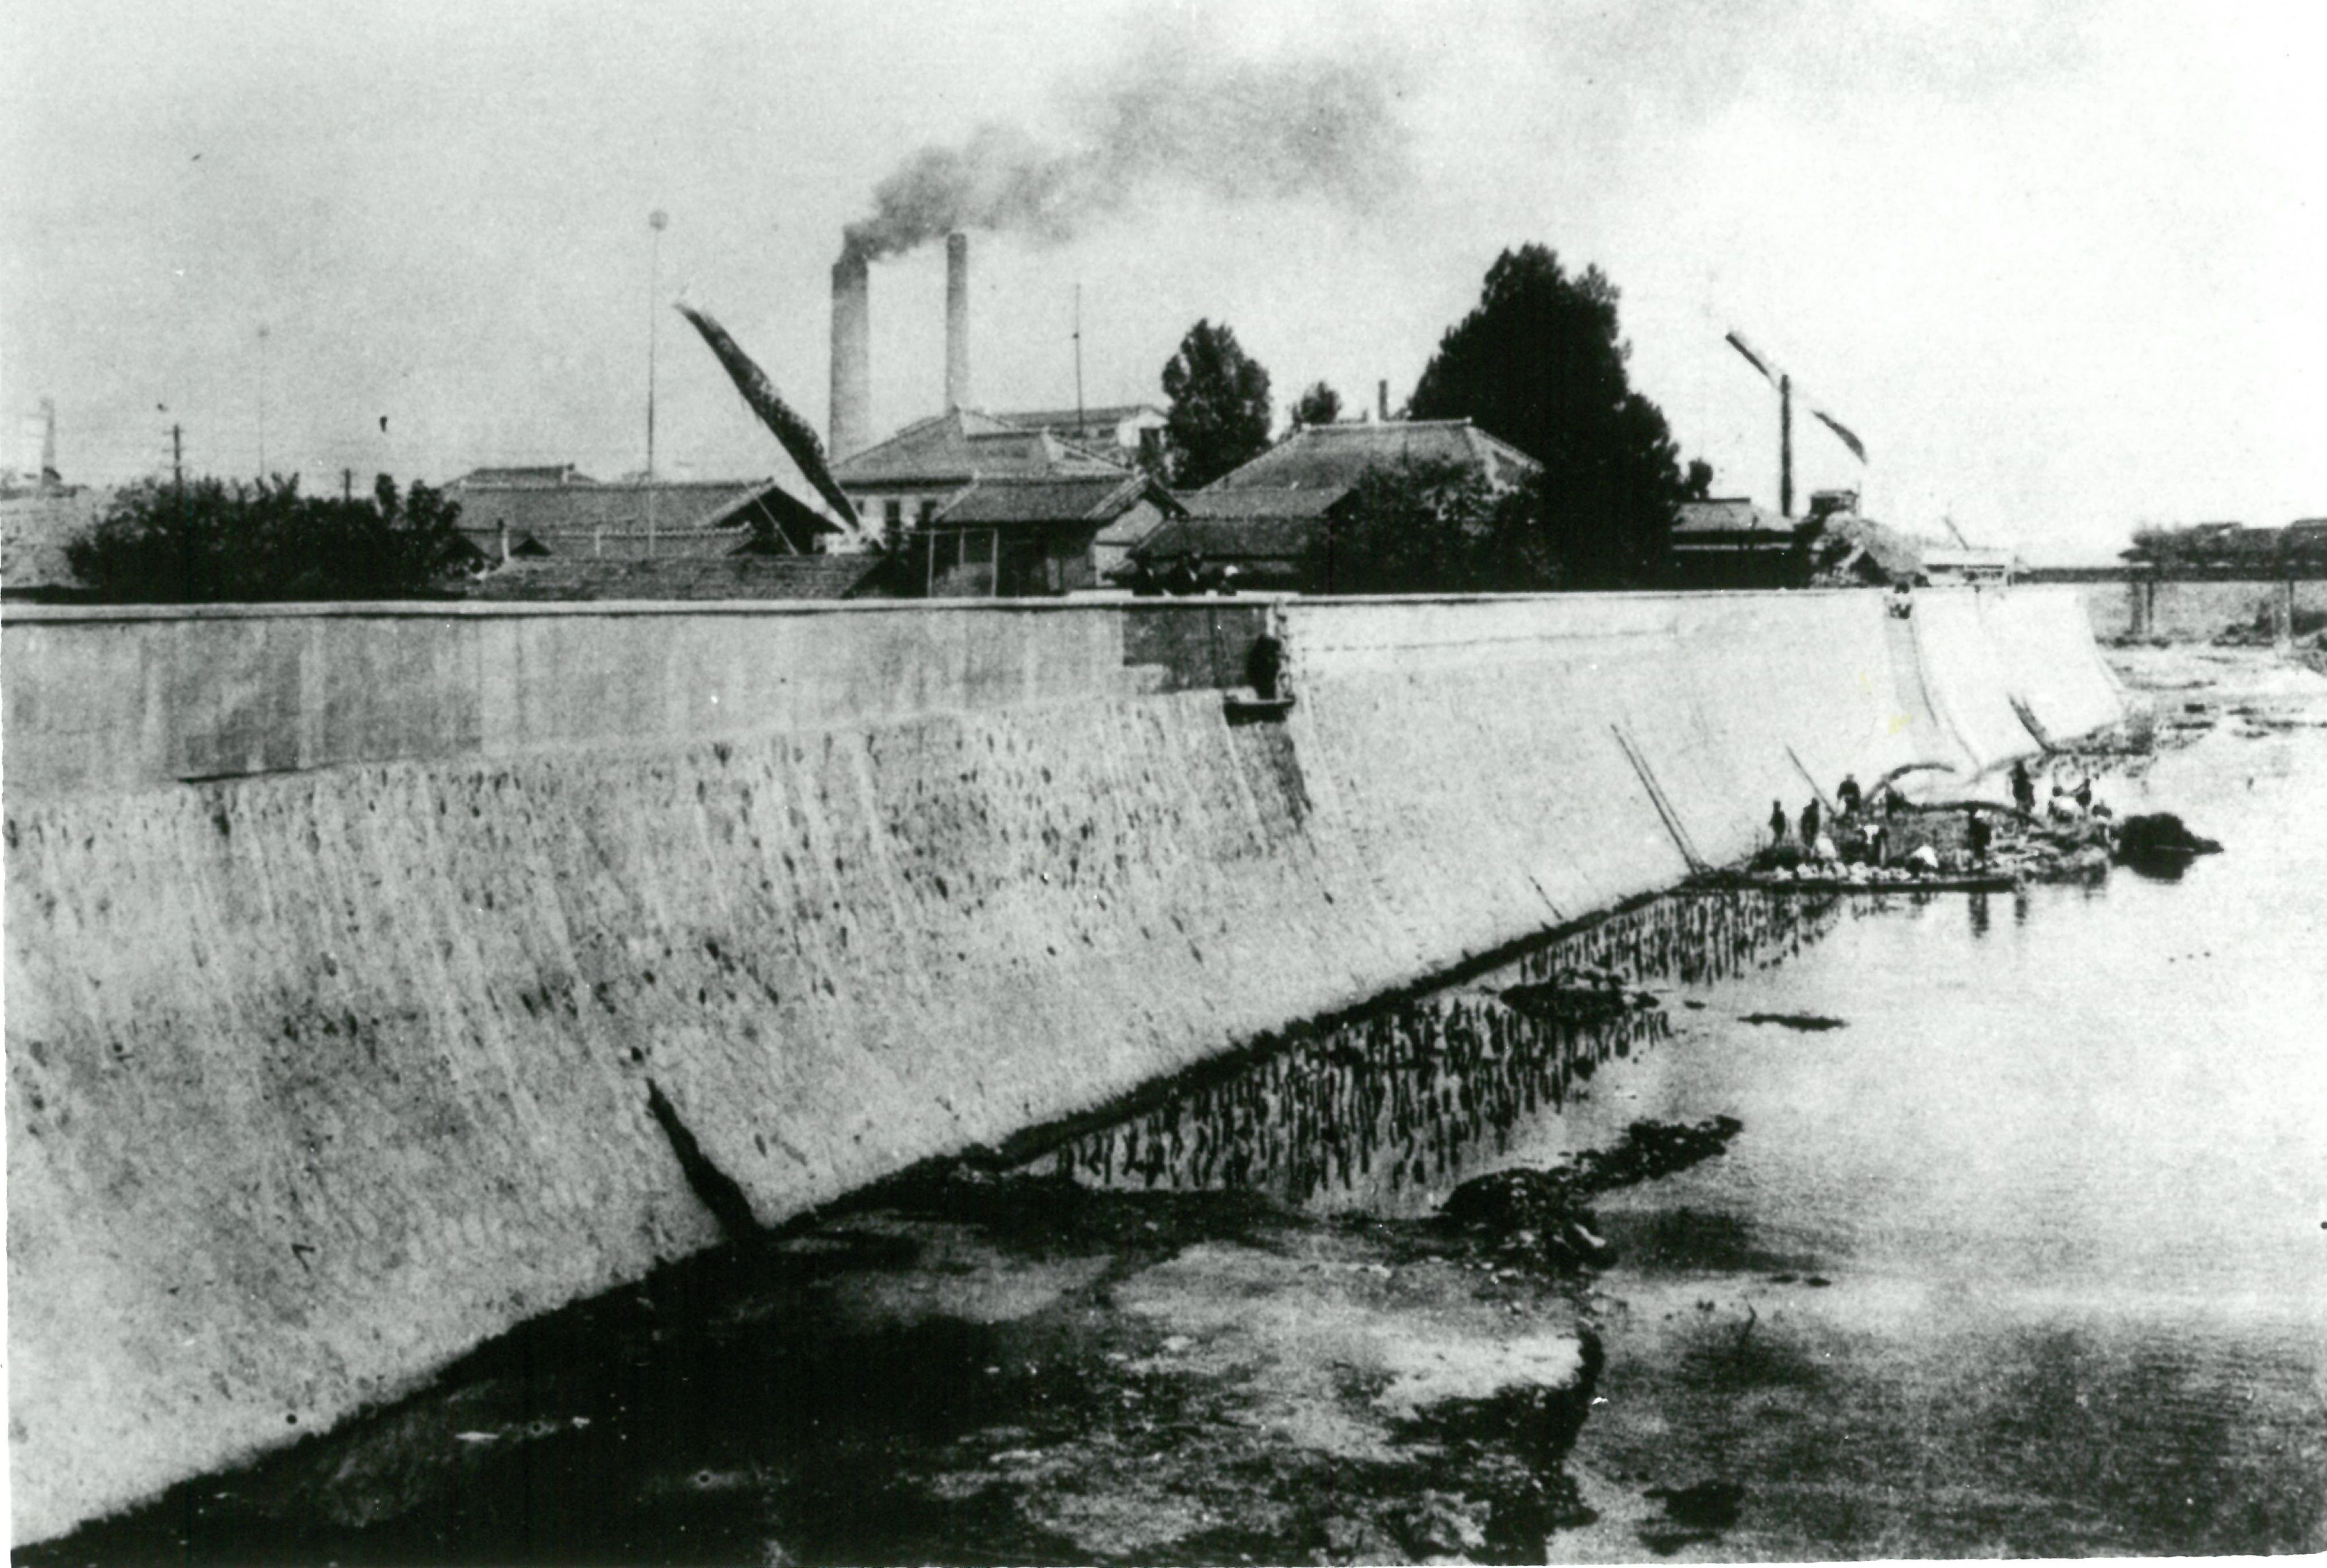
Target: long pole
1078, 362
656, 220
262, 402
1786, 446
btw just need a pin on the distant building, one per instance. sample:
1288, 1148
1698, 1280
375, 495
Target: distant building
35, 527
1024, 537
1261, 519
903, 482
1728, 542
1129, 432
1336, 456
1261, 536
1962, 565
518, 512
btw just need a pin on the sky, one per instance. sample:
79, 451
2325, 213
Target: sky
2057, 264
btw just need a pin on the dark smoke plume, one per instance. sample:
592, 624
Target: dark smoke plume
1175, 112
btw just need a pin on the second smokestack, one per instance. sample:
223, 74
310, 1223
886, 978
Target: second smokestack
957, 385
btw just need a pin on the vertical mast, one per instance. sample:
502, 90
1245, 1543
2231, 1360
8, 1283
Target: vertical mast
1786, 446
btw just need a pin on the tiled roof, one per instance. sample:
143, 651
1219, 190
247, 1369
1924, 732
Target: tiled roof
678, 504
1729, 515
1284, 504
954, 448
1230, 539
1334, 456
1095, 498
538, 474
744, 576
691, 517
1075, 419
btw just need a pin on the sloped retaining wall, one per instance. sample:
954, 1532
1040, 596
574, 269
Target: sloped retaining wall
352, 951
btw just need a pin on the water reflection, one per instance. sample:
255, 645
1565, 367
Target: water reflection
1403, 1097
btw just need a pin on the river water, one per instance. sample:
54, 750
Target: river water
2014, 1242
2021, 1245
2065, 1166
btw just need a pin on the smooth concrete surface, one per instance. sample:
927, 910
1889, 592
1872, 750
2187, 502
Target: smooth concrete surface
346, 944
1965, 674
2057, 680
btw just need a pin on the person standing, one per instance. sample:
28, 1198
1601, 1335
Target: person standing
1777, 823
1846, 797
1810, 826
2023, 788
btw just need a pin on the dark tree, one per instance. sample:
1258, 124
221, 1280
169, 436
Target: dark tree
1429, 527
1540, 363
1321, 405
1698, 485
208, 541
1220, 412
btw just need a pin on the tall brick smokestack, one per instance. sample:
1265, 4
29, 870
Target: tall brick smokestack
957, 321
852, 355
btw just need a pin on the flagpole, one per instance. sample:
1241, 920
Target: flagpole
1785, 445
656, 220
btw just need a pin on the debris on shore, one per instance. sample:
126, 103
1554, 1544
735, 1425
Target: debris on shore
1803, 1022
2159, 842
1587, 992
1543, 1213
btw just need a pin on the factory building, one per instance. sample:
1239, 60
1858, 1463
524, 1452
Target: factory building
973, 502
515, 513
1259, 521
905, 481
1023, 538
1127, 432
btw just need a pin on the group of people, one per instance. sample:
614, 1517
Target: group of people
2067, 803
1859, 832
1863, 829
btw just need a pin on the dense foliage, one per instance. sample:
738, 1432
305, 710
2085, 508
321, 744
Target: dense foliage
1320, 404
1540, 363
211, 541
1431, 527
2226, 547
1219, 410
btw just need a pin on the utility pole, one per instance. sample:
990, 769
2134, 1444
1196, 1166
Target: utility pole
656, 221
1078, 362
1785, 445
262, 403
178, 489
347, 484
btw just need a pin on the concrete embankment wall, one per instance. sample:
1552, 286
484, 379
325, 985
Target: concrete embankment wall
357, 959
